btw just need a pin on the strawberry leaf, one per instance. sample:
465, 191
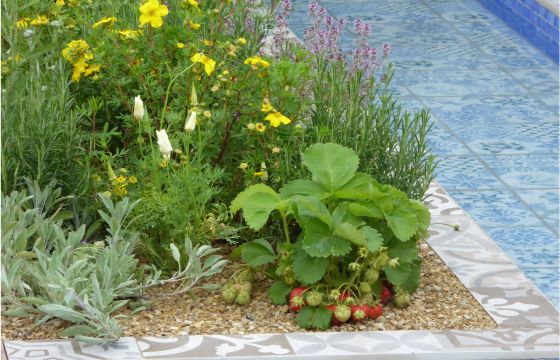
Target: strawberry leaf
332, 165
318, 240
257, 252
278, 292
314, 318
402, 222
307, 269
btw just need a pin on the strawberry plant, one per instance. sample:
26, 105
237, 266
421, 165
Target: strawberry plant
354, 239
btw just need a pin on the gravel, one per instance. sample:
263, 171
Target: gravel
440, 303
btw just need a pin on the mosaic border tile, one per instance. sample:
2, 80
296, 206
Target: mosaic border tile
528, 324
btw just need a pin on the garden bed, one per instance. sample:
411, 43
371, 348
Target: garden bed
442, 302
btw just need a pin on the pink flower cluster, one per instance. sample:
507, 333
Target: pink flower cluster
323, 36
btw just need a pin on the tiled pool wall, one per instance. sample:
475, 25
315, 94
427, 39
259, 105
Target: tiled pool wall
530, 18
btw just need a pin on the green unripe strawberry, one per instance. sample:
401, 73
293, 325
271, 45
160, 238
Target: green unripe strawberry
314, 298
401, 299
365, 288
350, 300
289, 279
245, 286
229, 294
342, 313
245, 276
243, 298
366, 299
371, 276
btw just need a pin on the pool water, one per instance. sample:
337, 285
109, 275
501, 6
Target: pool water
494, 103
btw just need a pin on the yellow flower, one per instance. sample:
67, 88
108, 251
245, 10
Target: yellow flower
241, 41
90, 69
120, 191
152, 13
180, 45
256, 61
243, 166
194, 26
208, 42
132, 179
22, 23
130, 34
59, 3
260, 127
107, 194
75, 50
163, 164
251, 126
121, 179
40, 20
276, 118
109, 21
258, 173
193, 3
209, 64
207, 114
267, 107
275, 150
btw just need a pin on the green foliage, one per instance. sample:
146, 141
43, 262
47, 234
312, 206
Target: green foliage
48, 270
354, 224
314, 318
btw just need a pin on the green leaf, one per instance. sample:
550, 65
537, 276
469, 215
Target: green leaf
422, 215
175, 252
406, 251
356, 189
366, 209
242, 197
302, 187
402, 222
351, 233
314, 318
318, 241
76, 330
398, 275
307, 269
342, 214
331, 165
257, 252
62, 312
312, 207
374, 240
257, 209
413, 280
15, 312
278, 292
34, 300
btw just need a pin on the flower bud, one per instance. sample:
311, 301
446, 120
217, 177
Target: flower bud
164, 143
138, 108
190, 124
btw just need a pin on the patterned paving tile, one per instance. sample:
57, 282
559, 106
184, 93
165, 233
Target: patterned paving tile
461, 11
443, 143
124, 349
544, 201
208, 346
383, 11
492, 208
466, 173
460, 82
525, 171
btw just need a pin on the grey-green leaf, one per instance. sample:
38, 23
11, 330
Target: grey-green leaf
76, 330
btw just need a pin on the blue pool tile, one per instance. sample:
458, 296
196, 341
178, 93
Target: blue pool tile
545, 202
461, 11
525, 171
528, 247
539, 81
511, 138
469, 111
491, 208
546, 279
442, 142
465, 173
460, 82
380, 12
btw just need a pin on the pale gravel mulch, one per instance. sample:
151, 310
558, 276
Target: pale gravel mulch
440, 303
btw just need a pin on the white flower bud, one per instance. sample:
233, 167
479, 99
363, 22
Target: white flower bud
138, 108
164, 143
190, 124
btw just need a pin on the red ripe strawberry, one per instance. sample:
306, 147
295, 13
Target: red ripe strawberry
385, 295
297, 301
375, 311
359, 312
334, 321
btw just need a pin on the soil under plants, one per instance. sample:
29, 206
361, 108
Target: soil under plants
441, 302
